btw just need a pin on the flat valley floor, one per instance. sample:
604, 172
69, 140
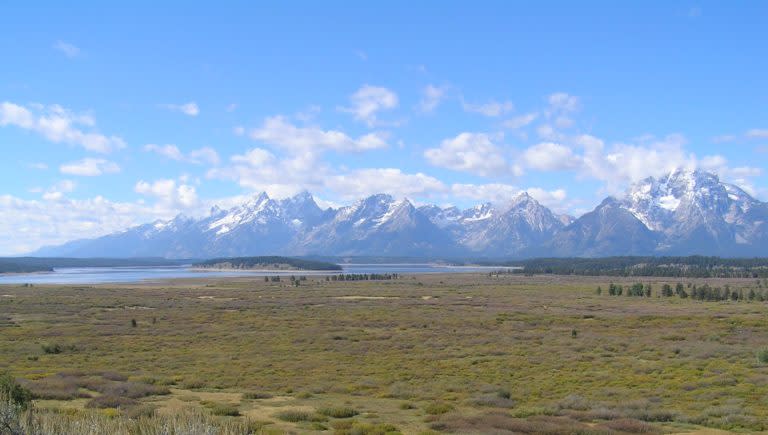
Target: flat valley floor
458, 353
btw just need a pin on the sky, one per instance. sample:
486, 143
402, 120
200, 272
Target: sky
117, 115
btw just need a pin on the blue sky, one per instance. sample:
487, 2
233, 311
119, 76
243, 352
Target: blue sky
118, 115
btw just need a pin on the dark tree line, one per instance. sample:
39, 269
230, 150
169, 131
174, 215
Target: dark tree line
362, 277
683, 267
700, 293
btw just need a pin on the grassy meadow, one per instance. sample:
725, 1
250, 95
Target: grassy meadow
460, 353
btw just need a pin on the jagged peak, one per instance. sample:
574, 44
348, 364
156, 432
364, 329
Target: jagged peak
378, 197
256, 200
304, 195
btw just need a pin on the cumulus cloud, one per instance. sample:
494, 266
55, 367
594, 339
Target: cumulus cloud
432, 96
549, 156
189, 109
169, 193
59, 125
277, 131
29, 224
468, 152
500, 193
57, 191
260, 170
205, 155
89, 167
308, 114
490, 109
365, 182
563, 102
520, 121
69, 50
368, 101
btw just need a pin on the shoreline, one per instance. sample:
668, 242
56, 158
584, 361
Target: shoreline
234, 269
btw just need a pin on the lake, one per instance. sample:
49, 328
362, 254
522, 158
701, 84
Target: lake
101, 275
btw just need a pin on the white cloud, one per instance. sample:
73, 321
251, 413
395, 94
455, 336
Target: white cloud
757, 133
724, 138
625, 163
493, 192
57, 191
189, 109
68, 49
500, 193
89, 167
169, 151
231, 107
279, 132
260, 170
365, 182
58, 125
39, 165
29, 224
368, 101
468, 152
562, 102
490, 109
550, 198
547, 132
549, 156
205, 155
169, 193
432, 96
309, 113
520, 121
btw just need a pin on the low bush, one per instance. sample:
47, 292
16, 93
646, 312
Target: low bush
256, 395
493, 401
12, 392
295, 416
224, 410
631, 426
110, 401
133, 390
438, 408
338, 412
762, 356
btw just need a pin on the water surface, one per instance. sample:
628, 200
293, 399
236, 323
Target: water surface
100, 275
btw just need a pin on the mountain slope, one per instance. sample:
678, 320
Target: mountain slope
682, 213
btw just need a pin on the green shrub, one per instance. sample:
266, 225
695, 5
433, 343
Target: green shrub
762, 356
110, 401
338, 412
438, 408
224, 410
295, 416
256, 395
13, 392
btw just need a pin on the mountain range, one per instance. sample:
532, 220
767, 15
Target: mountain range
682, 213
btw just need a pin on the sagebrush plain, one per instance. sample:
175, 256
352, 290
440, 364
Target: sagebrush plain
460, 353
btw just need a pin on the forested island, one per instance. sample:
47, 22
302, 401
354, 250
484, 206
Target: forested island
265, 263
